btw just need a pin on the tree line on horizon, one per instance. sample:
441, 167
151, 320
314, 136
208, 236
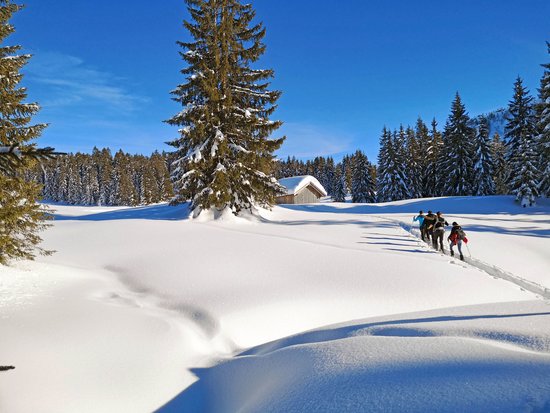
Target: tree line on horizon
100, 178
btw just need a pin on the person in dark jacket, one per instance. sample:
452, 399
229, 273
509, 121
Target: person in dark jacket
429, 222
420, 219
439, 231
456, 237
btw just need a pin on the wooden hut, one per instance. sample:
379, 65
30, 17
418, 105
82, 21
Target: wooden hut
301, 190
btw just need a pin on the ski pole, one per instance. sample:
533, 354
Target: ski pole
468, 248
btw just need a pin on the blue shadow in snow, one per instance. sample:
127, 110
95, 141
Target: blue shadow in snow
199, 398
161, 212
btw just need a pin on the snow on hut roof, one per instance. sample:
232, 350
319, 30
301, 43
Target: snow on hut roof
295, 183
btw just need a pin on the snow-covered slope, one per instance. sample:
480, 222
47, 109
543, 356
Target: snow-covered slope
138, 303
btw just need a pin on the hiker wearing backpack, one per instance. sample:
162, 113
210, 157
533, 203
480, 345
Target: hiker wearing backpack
420, 218
439, 231
456, 238
429, 222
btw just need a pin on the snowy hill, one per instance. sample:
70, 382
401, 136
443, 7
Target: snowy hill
325, 307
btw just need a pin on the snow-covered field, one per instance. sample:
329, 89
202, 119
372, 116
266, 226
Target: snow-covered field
325, 308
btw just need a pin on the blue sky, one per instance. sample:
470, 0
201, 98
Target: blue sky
102, 70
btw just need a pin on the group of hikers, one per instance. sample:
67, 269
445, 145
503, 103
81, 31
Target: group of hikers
432, 227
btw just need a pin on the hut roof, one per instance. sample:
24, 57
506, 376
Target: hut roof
295, 184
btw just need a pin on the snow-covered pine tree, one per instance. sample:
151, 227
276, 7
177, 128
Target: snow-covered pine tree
391, 180
21, 217
124, 191
520, 146
329, 174
433, 155
500, 169
422, 135
347, 166
362, 184
483, 160
543, 129
457, 160
162, 177
413, 164
74, 183
339, 184
400, 188
385, 153
225, 156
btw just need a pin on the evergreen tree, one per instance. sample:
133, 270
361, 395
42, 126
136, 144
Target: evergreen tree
422, 135
124, 190
339, 184
362, 184
400, 187
457, 162
500, 169
483, 161
329, 175
225, 158
520, 146
162, 178
391, 178
434, 155
543, 129
413, 162
21, 217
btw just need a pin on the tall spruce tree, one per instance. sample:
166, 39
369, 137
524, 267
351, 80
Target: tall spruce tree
422, 135
434, 155
500, 169
225, 155
520, 136
391, 173
21, 217
483, 161
339, 184
543, 129
362, 184
457, 161
413, 162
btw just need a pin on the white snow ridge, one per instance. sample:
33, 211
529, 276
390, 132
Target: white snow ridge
328, 307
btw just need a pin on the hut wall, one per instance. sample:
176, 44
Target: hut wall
285, 199
306, 196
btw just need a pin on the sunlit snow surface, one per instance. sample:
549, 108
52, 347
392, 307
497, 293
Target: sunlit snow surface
308, 308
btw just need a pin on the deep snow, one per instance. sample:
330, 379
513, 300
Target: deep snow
138, 303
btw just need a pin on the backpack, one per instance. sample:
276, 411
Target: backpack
461, 234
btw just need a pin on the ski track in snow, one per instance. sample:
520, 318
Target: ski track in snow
487, 268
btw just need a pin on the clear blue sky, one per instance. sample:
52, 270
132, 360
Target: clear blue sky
102, 70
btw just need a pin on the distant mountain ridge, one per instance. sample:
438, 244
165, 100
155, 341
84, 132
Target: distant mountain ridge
497, 121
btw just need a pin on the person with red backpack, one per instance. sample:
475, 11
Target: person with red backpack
456, 237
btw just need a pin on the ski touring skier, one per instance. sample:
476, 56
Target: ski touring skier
456, 237
420, 219
428, 227
439, 231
